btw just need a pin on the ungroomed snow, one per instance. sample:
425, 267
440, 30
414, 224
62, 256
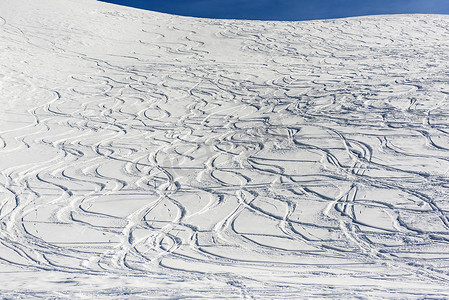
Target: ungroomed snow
147, 155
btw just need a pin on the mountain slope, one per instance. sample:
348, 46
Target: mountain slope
151, 155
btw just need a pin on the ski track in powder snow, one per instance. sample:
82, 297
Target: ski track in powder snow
150, 155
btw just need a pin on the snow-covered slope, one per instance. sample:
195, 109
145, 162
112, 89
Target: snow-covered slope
150, 155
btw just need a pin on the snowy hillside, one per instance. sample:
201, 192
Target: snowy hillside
150, 155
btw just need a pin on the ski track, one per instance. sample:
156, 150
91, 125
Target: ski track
247, 159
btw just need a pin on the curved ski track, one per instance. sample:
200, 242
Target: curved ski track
275, 158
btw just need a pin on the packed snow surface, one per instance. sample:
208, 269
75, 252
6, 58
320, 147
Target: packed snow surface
151, 155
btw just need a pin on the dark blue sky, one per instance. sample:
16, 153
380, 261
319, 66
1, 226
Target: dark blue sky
287, 10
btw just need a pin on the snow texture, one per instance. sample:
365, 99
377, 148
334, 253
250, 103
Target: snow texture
147, 155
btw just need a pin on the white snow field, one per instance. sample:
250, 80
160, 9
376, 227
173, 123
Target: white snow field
145, 155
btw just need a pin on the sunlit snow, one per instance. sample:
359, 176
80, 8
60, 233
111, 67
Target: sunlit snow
151, 155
